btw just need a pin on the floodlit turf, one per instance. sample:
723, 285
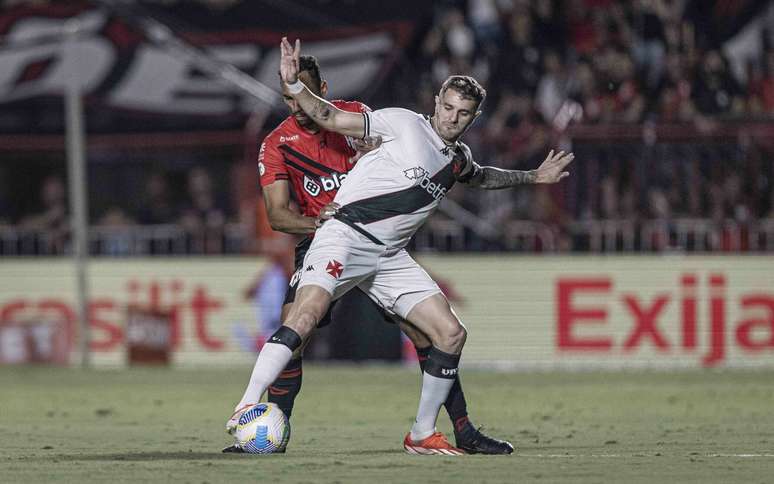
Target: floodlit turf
163, 426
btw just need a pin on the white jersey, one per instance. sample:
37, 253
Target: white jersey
392, 190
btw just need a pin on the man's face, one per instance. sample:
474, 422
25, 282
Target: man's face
453, 114
295, 110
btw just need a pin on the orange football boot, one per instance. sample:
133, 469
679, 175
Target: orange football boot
436, 444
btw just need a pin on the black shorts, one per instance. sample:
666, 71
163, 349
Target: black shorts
355, 297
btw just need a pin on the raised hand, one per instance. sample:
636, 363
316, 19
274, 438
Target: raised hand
289, 56
552, 169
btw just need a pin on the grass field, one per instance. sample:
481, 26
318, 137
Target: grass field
162, 426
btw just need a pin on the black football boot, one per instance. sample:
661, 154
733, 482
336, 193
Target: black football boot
473, 441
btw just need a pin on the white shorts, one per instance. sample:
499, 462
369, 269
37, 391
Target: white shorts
340, 259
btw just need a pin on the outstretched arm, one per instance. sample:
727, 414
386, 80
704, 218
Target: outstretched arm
323, 113
550, 171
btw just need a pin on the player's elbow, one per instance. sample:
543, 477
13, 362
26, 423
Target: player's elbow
276, 222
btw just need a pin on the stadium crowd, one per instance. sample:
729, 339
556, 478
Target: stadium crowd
562, 73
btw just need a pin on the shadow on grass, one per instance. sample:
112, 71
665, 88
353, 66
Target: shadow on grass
145, 456
197, 456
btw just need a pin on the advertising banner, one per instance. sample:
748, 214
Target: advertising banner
615, 312
521, 312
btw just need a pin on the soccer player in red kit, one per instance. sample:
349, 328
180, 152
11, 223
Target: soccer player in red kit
299, 160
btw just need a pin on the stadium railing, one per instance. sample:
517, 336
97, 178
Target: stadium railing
592, 236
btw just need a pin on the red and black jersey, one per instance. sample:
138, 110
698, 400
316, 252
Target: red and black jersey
315, 164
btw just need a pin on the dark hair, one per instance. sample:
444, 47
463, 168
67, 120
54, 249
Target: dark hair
308, 63
468, 88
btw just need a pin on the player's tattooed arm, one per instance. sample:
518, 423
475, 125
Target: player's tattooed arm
550, 171
491, 178
325, 114
320, 110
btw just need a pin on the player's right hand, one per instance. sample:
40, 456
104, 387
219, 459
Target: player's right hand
326, 213
289, 60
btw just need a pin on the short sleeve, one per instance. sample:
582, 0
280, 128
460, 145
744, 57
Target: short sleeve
387, 122
271, 164
351, 106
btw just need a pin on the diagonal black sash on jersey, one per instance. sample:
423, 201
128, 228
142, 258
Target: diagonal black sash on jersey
388, 205
307, 160
344, 218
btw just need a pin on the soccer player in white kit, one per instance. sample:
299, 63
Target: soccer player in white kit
384, 201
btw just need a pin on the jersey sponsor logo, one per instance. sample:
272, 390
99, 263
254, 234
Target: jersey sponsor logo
335, 268
436, 190
332, 182
288, 138
261, 168
311, 186
415, 173
323, 184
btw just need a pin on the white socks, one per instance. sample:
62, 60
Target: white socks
271, 361
434, 393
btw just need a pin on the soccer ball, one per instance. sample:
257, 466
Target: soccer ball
262, 429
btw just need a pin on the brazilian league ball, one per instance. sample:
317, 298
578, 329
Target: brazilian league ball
263, 429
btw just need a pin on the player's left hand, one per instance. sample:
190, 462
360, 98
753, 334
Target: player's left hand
552, 168
367, 144
289, 60
327, 213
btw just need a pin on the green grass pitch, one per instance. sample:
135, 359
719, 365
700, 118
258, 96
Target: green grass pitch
160, 425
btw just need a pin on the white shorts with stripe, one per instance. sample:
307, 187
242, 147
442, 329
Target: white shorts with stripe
340, 259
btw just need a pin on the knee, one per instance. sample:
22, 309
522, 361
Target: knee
419, 339
454, 335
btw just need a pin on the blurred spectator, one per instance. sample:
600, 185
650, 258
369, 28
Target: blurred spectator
673, 95
203, 219
762, 86
267, 290
451, 44
648, 39
5, 202
552, 88
485, 20
52, 220
716, 92
116, 240
519, 63
157, 205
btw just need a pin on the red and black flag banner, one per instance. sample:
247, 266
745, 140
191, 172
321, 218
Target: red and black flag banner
131, 83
